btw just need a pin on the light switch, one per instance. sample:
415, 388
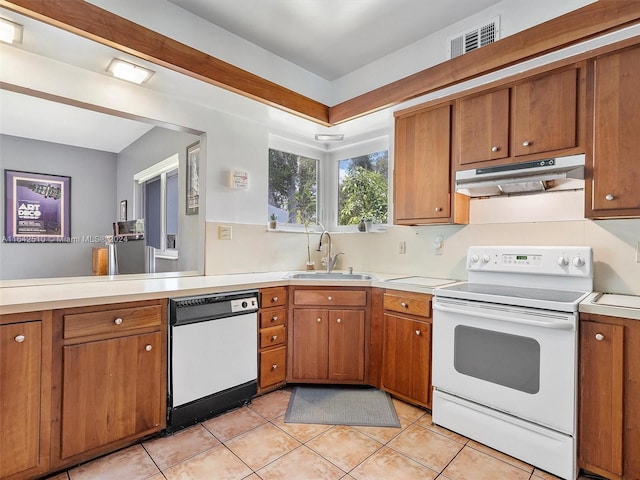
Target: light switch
224, 232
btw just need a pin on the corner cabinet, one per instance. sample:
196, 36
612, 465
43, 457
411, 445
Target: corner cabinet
112, 377
609, 395
613, 174
406, 351
328, 335
422, 181
272, 348
25, 394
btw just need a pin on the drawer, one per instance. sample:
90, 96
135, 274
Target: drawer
271, 317
272, 366
343, 298
273, 297
411, 303
272, 336
111, 321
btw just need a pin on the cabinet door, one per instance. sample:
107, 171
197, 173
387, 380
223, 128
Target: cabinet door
20, 370
601, 396
111, 391
422, 167
616, 169
406, 358
483, 123
310, 335
545, 113
346, 345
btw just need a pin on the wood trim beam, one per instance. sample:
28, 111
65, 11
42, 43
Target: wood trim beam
102, 26
571, 28
92, 22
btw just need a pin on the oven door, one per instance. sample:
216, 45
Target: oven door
518, 360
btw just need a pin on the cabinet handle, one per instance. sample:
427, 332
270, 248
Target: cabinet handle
339, 320
438, 209
599, 337
273, 367
274, 318
404, 305
20, 338
609, 197
148, 348
329, 298
274, 338
526, 143
118, 321
418, 332
274, 299
318, 320
494, 149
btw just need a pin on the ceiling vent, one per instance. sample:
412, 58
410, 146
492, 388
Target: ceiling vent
474, 38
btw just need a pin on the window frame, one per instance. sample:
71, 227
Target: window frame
160, 169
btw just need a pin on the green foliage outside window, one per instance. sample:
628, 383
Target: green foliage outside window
293, 187
363, 188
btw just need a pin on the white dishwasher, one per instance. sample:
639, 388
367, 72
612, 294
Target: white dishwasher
212, 355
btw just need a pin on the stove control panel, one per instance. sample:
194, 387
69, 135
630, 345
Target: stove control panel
574, 261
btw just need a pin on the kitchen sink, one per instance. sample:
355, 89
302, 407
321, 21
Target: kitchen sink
332, 275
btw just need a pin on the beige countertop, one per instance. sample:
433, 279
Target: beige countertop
612, 304
18, 296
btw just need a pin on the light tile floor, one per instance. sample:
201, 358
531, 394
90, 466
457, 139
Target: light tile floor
254, 443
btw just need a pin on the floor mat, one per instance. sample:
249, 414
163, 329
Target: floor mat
331, 405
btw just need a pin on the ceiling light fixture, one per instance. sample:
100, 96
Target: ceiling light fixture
10, 32
329, 137
129, 72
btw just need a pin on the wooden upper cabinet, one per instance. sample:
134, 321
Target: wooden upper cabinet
545, 113
422, 186
612, 185
483, 127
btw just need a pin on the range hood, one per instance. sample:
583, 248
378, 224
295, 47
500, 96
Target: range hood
527, 177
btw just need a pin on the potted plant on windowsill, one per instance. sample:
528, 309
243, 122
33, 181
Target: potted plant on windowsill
273, 221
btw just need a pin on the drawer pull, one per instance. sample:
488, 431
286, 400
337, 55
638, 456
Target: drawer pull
438, 209
329, 298
418, 332
274, 338
274, 299
404, 305
20, 338
609, 197
599, 337
318, 320
339, 320
526, 143
274, 318
274, 367
495, 149
148, 348
118, 321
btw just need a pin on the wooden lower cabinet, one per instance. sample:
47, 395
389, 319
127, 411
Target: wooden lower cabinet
327, 343
111, 378
24, 395
609, 397
272, 334
406, 349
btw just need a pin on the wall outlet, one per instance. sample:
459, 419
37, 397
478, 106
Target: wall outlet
438, 243
402, 247
224, 232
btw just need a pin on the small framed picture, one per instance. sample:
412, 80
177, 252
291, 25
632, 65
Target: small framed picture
123, 211
193, 179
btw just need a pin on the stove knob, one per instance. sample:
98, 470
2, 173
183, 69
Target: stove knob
486, 259
474, 258
563, 261
578, 262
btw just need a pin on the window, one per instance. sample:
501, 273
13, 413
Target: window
293, 188
156, 199
363, 186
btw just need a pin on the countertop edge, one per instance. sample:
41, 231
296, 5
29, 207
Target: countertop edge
588, 306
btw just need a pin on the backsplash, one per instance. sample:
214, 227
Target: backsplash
255, 249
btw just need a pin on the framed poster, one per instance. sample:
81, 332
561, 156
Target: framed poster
193, 179
37, 207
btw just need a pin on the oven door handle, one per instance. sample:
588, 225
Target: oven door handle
552, 325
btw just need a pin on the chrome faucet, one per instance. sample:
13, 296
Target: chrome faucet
331, 259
